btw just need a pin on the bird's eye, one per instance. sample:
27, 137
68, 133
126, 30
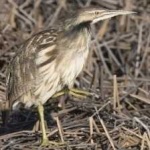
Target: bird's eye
97, 12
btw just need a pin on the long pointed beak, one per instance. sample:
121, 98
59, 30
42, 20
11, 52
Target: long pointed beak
119, 12
111, 13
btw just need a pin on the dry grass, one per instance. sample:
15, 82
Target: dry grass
117, 116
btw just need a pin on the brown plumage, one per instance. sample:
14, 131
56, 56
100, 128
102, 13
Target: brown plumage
52, 59
44, 65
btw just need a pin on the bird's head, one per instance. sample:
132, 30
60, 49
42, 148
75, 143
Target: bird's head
93, 15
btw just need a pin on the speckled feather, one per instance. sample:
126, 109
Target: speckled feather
45, 64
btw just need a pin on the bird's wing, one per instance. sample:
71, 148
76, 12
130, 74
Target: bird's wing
22, 71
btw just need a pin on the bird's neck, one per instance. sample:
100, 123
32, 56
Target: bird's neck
75, 36
76, 30
77, 27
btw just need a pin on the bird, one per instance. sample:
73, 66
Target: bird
51, 60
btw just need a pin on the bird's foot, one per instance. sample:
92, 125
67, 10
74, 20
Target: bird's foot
74, 92
60, 93
46, 142
79, 93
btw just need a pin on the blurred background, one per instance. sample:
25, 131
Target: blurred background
117, 72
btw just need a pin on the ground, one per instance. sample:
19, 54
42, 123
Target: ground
117, 115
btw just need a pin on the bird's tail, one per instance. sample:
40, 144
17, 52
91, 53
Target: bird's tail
4, 105
5, 111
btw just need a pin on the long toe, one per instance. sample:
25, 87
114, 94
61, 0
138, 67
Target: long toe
80, 91
77, 95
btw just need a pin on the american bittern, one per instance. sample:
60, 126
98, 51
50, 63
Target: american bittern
52, 59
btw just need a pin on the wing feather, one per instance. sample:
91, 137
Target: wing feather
23, 69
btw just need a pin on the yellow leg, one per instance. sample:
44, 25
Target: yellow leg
45, 140
60, 93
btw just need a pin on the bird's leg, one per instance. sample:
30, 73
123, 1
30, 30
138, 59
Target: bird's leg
45, 140
79, 93
60, 93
